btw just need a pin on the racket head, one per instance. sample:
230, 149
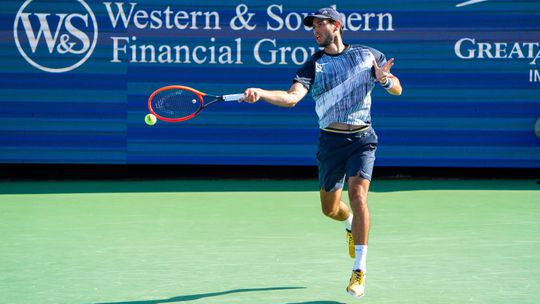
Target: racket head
175, 103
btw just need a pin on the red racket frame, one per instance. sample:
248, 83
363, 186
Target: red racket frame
199, 94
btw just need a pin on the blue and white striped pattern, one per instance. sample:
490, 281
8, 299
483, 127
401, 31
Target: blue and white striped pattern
453, 112
342, 87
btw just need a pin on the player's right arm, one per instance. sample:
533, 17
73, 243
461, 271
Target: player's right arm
278, 98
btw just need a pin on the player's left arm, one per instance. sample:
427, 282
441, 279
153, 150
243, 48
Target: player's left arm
389, 81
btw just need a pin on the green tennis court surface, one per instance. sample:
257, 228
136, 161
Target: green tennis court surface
233, 241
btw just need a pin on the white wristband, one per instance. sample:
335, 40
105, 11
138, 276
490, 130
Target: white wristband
388, 84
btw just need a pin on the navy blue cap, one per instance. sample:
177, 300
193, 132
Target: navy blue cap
323, 13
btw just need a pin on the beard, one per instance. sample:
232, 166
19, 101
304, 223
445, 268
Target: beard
325, 41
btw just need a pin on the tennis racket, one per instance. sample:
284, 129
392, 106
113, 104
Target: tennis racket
179, 103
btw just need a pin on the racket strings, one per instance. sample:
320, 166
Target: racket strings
175, 103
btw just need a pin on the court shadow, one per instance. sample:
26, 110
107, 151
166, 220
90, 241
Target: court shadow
150, 186
253, 185
210, 294
400, 185
318, 302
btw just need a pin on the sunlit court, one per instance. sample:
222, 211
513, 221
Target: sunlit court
264, 241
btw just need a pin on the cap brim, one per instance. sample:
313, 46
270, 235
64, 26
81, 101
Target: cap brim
308, 21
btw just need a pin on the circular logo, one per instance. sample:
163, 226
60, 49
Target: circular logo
57, 41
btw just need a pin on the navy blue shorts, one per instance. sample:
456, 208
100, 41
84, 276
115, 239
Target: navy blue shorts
343, 155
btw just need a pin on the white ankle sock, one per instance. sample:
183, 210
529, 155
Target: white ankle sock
360, 259
348, 222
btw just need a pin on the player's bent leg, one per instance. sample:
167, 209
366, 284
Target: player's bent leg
333, 207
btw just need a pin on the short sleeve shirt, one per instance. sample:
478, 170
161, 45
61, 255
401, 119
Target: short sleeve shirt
341, 84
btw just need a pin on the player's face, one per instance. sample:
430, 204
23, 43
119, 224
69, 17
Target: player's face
323, 31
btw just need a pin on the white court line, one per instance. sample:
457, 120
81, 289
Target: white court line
470, 2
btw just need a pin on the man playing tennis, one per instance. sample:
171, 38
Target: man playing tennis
341, 78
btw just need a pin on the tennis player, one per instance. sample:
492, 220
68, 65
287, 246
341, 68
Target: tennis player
340, 78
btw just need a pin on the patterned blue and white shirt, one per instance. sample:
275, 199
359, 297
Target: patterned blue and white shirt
341, 84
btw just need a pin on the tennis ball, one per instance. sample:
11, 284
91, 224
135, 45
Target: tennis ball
150, 119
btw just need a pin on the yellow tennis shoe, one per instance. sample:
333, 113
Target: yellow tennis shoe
351, 243
357, 284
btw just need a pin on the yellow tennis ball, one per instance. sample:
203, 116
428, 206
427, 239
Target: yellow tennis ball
150, 119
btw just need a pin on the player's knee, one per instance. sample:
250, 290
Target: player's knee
358, 199
358, 196
330, 211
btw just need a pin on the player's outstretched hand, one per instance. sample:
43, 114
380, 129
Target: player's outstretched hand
382, 73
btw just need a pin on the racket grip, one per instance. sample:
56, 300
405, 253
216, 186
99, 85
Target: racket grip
233, 97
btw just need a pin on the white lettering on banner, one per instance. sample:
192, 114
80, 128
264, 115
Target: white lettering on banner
281, 54
155, 19
64, 46
241, 10
469, 48
275, 11
534, 75
535, 57
124, 49
75, 33
43, 30
65, 35
353, 22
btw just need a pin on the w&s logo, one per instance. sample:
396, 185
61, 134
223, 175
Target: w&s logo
55, 41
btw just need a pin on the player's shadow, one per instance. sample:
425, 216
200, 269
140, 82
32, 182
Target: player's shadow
212, 294
318, 302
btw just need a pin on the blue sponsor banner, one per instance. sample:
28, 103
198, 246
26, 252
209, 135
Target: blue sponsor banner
76, 76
